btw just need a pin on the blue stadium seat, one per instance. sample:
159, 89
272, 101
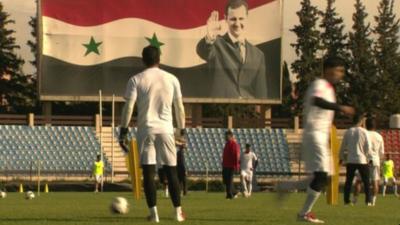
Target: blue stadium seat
59, 147
206, 145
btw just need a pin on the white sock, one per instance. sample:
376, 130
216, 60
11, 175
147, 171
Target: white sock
384, 190
166, 192
250, 187
395, 188
178, 211
373, 199
154, 212
244, 184
311, 199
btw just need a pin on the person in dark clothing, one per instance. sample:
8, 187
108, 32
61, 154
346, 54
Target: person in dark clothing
181, 166
230, 163
356, 143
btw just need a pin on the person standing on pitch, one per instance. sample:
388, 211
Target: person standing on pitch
248, 162
376, 154
357, 145
181, 145
319, 109
388, 175
155, 91
230, 163
97, 172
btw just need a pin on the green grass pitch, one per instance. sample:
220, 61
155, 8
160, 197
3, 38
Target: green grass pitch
201, 208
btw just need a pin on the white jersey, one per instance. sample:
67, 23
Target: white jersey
247, 160
357, 145
317, 119
377, 147
154, 91
317, 124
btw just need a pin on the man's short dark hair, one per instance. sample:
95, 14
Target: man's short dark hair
334, 61
98, 157
248, 145
151, 56
370, 123
357, 118
229, 133
234, 4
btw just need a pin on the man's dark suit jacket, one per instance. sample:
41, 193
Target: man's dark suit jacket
230, 77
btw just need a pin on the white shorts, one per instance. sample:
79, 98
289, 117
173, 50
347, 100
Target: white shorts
316, 152
374, 173
98, 178
247, 175
387, 179
157, 149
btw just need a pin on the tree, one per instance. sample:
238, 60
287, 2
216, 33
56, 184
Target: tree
362, 79
387, 58
288, 96
308, 65
14, 85
334, 40
34, 78
33, 43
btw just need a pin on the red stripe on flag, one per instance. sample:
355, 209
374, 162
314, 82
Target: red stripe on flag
178, 14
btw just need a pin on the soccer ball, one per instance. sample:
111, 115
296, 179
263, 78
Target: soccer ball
119, 205
29, 195
3, 194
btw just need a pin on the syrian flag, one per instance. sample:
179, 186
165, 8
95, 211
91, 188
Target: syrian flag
89, 45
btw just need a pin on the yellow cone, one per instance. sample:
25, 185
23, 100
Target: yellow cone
46, 188
21, 188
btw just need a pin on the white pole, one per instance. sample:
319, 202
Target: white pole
101, 132
206, 176
101, 124
112, 137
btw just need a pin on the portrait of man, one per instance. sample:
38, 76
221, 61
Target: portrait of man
236, 66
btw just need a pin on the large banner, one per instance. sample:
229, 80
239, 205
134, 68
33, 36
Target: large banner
220, 50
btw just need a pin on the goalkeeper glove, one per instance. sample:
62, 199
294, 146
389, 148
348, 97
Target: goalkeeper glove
123, 132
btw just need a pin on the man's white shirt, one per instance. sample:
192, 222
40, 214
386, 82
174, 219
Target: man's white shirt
247, 160
154, 91
317, 119
377, 147
317, 124
357, 144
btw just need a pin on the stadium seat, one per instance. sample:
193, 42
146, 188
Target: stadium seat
68, 149
205, 148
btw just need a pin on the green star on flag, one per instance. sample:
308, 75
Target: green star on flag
92, 46
154, 41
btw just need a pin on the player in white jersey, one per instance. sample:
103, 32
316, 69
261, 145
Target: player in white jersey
155, 92
356, 144
377, 152
319, 108
248, 163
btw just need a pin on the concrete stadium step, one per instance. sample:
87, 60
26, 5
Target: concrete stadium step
108, 143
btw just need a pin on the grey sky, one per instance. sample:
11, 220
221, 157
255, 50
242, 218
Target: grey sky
21, 10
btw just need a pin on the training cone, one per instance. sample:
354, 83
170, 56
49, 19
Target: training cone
46, 188
21, 188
